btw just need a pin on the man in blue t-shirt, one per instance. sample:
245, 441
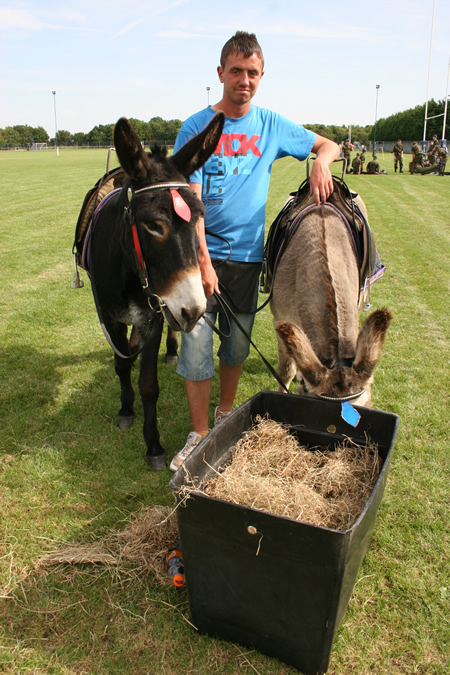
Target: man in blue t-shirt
233, 185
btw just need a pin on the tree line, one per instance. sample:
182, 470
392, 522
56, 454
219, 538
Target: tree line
157, 129
407, 125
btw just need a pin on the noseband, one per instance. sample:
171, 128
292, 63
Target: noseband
139, 258
340, 399
157, 186
336, 399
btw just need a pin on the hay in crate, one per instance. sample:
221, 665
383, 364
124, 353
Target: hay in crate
271, 471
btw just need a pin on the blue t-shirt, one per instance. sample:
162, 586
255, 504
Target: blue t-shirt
235, 179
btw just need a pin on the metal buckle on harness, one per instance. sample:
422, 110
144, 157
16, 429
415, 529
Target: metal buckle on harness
77, 282
364, 299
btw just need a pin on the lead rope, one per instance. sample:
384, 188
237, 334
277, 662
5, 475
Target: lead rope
229, 313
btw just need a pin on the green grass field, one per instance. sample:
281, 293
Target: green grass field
68, 474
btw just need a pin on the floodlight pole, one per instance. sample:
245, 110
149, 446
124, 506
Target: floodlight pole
207, 95
428, 79
350, 125
56, 126
375, 125
446, 102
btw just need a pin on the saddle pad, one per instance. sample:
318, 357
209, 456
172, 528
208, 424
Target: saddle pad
342, 200
110, 181
84, 253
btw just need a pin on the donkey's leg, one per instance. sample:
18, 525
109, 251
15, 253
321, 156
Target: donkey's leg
149, 391
123, 370
171, 346
286, 367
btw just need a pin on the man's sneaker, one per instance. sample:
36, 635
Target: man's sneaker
219, 417
192, 441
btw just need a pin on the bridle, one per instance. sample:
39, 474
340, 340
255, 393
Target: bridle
155, 302
341, 399
336, 399
141, 266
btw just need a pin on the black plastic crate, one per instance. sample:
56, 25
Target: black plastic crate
265, 581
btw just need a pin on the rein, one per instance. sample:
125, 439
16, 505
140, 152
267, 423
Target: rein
229, 313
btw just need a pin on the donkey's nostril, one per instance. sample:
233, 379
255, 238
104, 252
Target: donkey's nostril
190, 316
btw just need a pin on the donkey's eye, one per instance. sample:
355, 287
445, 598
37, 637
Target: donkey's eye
156, 228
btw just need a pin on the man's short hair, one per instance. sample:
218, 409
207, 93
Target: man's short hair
241, 43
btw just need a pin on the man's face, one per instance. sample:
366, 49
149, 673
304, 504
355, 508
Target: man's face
241, 77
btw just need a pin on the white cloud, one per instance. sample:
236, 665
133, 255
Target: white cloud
19, 18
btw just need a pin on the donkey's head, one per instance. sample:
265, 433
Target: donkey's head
164, 212
338, 382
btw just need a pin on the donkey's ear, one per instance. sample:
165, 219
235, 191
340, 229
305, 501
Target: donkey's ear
299, 348
195, 152
370, 341
130, 152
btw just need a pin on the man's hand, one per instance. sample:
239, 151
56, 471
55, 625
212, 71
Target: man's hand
209, 277
320, 181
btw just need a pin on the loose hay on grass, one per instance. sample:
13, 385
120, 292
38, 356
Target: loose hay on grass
270, 471
139, 550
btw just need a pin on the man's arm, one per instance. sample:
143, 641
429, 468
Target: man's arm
321, 181
209, 277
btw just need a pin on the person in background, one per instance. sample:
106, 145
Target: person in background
442, 157
346, 153
362, 158
433, 150
233, 185
356, 164
398, 156
373, 166
417, 157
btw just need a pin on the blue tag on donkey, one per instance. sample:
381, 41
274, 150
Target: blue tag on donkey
349, 414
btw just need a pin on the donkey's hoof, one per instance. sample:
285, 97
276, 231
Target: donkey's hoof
157, 462
172, 360
125, 421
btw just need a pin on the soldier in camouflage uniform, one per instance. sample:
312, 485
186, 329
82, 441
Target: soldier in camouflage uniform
373, 166
398, 155
362, 157
433, 150
356, 164
417, 157
442, 155
346, 153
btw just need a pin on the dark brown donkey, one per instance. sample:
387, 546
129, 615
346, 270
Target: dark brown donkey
142, 257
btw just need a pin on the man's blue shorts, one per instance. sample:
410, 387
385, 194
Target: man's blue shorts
196, 359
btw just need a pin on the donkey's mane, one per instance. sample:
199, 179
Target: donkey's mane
157, 152
331, 302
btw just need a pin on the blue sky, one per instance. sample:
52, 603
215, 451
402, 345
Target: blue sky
144, 58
